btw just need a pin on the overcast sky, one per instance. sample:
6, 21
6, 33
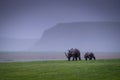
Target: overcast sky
29, 18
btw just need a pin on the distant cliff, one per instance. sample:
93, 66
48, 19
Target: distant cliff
93, 36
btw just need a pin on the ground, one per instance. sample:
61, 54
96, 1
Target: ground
108, 69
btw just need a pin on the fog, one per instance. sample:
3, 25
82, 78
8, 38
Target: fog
23, 22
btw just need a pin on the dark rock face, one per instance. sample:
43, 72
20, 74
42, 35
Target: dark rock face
82, 35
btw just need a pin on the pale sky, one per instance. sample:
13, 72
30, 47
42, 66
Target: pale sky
29, 18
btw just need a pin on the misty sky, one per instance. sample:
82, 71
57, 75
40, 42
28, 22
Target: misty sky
29, 18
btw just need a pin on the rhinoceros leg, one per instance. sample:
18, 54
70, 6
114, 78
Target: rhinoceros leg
79, 58
86, 58
73, 58
90, 58
94, 58
76, 58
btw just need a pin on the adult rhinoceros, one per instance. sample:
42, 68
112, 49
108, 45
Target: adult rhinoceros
74, 53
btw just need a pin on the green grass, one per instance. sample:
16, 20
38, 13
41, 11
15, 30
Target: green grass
61, 70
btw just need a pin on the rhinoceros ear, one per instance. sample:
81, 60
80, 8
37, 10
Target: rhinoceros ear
66, 54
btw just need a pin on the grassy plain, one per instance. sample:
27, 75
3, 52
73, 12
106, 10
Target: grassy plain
61, 70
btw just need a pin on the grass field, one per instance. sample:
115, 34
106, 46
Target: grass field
61, 70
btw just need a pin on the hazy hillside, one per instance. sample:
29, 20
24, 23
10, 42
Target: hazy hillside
87, 36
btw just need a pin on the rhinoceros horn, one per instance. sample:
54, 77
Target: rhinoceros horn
66, 54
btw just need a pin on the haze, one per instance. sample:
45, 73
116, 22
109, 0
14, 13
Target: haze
22, 22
